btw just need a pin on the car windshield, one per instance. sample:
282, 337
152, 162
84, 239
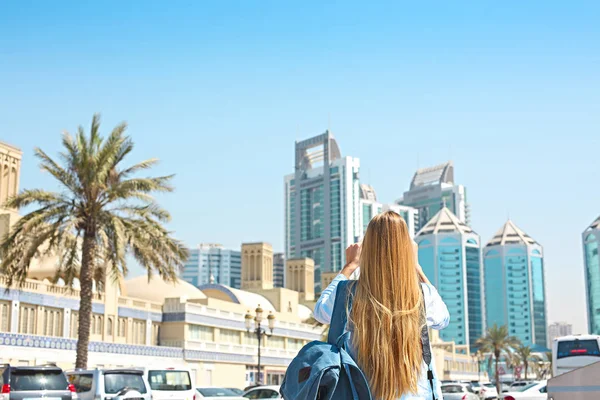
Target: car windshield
216, 392
24, 380
489, 385
115, 382
169, 380
527, 387
475, 384
452, 389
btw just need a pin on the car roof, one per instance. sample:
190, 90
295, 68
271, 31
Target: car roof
37, 368
272, 387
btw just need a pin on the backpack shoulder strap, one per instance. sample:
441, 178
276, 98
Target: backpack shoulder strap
341, 307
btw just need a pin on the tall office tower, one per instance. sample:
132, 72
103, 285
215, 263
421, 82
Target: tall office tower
432, 189
514, 274
559, 329
370, 207
212, 263
278, 270
450, 255
322, 204
591, 243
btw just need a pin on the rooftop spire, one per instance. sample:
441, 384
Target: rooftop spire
511, 234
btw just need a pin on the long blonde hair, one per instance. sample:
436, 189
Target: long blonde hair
386, 311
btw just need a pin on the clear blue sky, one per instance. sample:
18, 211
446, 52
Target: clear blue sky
220, 90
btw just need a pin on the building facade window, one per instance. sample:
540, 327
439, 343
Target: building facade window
139, 332
74, 323
5, 317
122, 327
27, 319
200, 332
52, 322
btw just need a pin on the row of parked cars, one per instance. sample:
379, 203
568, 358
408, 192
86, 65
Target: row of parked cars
52, 383
474, 390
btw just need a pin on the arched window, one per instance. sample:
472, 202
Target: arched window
109, 327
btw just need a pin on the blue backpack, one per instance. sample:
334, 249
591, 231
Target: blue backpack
325, 371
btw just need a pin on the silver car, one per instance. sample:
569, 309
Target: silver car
106, 384
458, 392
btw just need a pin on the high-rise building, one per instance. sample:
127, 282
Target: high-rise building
450, 255
278, 270
591, 244
322, 204
212, 263
370, 207
514, 274
432, 189
559, 329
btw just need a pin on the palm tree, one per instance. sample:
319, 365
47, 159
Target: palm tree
497, 341
525, 356
548, 366
100, 215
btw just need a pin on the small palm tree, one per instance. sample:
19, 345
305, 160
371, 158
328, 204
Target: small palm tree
497, 341
526, 356
100, 214
548, 369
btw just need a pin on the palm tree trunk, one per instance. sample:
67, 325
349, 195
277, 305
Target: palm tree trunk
86, 294
525, 364
496, 356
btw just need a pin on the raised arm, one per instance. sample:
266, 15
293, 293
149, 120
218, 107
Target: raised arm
324, 307
438, 316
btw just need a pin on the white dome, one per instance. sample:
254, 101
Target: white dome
304, 312
158, 290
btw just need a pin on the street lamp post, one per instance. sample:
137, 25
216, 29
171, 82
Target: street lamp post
477, 357
258, 330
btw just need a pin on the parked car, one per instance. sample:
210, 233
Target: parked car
94, 384
455, 391
263, 392
238, 392
516, 386
476, 385
216, 393
533, 391
170, 383
488, 391
20, 383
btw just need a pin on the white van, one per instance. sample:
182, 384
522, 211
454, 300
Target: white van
170, 383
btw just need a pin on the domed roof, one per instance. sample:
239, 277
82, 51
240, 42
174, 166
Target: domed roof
304, 312
158, 290
248, 299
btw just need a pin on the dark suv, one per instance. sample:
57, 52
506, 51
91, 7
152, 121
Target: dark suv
33, 383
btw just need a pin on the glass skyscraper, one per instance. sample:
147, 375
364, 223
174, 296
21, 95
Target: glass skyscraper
211, 263
514, 274
450, 255
432, 189
591, 243
370, 207
322, 204
278, 270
